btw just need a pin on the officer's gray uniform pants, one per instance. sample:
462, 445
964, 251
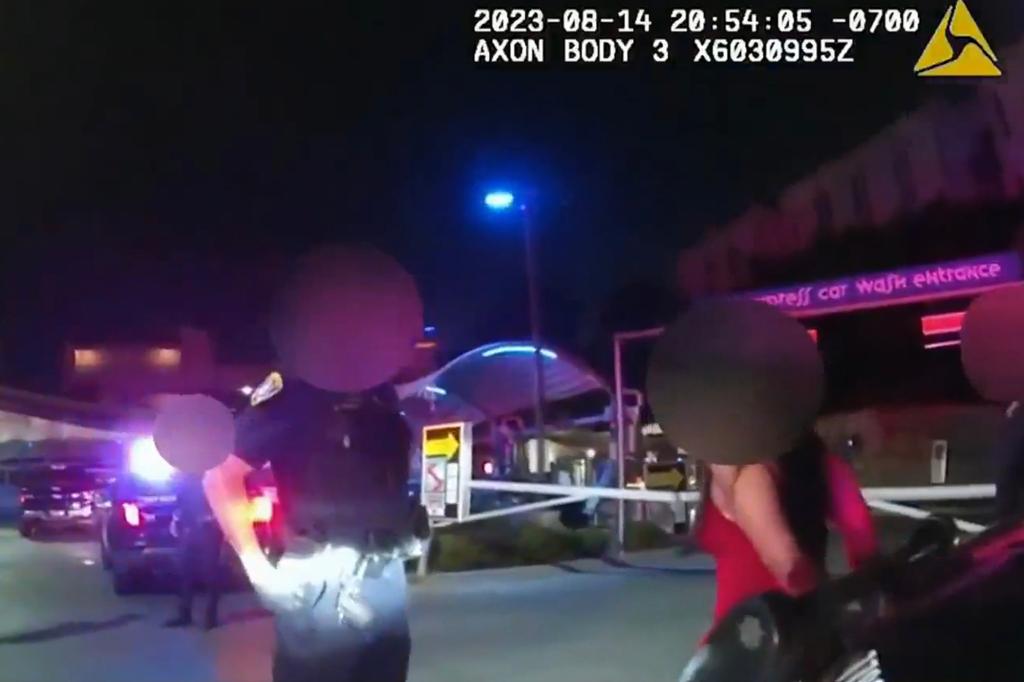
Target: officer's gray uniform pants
312, 645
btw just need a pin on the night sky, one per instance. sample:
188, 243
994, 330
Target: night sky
163, 161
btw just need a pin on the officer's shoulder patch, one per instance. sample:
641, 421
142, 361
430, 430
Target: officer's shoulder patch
270, 387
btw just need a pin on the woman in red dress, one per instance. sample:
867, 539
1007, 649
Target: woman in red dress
766, 525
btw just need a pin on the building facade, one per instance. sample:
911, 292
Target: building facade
133, 372
952, 154
138, 371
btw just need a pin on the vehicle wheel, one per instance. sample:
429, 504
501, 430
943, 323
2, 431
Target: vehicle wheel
26, 530
125, 583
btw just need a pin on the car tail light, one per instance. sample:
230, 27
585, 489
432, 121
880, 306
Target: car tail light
262, 509
131, 514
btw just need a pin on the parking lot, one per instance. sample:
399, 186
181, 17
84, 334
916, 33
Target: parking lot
586, 621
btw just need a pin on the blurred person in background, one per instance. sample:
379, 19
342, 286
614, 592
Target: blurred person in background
200, 544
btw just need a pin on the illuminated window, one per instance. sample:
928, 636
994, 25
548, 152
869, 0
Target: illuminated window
165, 357
87, 358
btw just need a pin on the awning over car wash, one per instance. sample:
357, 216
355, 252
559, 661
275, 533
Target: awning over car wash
30, 417
496, 380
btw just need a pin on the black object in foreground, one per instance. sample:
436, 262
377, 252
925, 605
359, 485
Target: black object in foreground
935, 611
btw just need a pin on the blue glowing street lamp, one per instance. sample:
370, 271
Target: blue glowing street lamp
503, 200
499, 200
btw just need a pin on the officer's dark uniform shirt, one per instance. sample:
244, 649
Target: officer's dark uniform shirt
341, 461
193, 508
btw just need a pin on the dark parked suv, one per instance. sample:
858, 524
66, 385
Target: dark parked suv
56, 497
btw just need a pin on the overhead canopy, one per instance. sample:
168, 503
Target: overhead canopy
31, 417
496, 380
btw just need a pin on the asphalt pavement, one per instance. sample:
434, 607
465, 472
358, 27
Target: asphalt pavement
587, 621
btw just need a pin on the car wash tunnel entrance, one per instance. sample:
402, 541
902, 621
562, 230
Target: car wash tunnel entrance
898, 403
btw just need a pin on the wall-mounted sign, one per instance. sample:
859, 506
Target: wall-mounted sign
905, 285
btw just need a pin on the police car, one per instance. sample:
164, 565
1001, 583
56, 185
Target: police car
138, 520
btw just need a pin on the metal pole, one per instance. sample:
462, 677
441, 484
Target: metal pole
620, 444
531, 281
423, 565
620, 422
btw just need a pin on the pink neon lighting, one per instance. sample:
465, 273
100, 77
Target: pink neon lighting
942, 344
947, 323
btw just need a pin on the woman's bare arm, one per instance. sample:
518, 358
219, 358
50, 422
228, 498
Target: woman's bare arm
756, 510
850, 513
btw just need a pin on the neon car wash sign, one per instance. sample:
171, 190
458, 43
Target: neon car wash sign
942, 280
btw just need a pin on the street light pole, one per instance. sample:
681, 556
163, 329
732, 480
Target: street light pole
534, 293
502, 200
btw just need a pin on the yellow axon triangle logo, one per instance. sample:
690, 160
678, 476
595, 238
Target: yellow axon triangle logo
958, 49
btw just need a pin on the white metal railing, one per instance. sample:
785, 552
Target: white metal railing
915, 513
882, 498
585, 492
932, 493
523, 508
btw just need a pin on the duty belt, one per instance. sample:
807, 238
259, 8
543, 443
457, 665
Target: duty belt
331, 564
365, 540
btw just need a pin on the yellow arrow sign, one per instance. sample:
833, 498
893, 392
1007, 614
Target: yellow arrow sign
669, 479
445, 447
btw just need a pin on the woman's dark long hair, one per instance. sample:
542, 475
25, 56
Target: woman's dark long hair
803, 494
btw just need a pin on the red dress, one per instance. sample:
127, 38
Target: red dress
742, 574
739, 571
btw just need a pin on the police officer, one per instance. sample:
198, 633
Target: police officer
199, 552
341, 463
